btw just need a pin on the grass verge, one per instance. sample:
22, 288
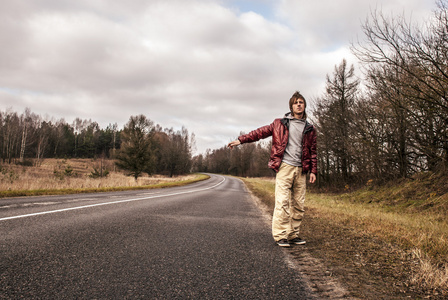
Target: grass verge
394, 246
63, 191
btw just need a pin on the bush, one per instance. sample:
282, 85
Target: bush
99, 173
67, 172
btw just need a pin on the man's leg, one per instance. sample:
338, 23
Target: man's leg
281, 224
297, 207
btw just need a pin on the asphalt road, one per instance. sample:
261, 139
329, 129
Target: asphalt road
203, 241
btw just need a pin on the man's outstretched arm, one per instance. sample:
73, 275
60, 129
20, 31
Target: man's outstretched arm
253, 136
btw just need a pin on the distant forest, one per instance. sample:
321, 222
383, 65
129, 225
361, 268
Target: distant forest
28, 136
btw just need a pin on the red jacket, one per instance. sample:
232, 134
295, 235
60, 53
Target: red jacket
279, 130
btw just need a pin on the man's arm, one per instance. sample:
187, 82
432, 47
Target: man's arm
257, 134
253, 136
313, 153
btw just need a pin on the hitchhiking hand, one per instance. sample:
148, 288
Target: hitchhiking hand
234, 143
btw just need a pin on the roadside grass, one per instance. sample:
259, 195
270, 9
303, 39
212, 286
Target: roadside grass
57, 177
410, 214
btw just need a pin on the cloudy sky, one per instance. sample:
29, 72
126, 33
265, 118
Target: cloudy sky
217, 67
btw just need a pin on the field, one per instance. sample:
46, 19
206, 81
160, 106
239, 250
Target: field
381, 242
59, 176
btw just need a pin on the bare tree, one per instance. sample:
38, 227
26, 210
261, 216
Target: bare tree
42, 135
335, 120
26, 122
176, 152
407, 65
10, 133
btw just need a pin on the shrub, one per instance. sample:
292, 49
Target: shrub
98, 173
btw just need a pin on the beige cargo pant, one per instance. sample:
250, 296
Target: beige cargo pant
290, 188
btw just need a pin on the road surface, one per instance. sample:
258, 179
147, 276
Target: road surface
202, 241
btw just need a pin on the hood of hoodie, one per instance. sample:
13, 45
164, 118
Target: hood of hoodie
288, 117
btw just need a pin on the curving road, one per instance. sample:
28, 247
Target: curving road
202, 241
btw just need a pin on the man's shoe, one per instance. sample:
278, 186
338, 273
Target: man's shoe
283, 243
297, 241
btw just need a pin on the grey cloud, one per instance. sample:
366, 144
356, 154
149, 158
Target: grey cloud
191, 63
326, 25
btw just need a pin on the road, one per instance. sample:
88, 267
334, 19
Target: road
207, 240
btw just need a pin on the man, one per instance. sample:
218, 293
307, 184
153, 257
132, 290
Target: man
293, 155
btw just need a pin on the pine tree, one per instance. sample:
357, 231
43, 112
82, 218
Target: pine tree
135, 155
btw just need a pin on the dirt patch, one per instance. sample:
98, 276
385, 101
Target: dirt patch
341, 262
320, 280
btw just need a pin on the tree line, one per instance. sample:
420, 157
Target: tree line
140, 147
389, 123
248, 160
146, 148
392, 123
28, 135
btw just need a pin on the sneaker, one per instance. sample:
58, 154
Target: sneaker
283, 243
297, 241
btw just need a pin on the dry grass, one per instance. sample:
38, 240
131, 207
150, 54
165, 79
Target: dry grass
423, 236
429, 274
73, 175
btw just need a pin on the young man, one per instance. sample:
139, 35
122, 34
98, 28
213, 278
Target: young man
293, 155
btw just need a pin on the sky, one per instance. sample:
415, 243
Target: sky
215, 67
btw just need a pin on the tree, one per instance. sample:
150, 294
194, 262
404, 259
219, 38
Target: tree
10, 135
335, 121
26, 121
135, 155
42, 134
175, 150
413, 63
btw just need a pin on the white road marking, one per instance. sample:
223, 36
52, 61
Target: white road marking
108, 203
80, 200
29, 204
145, 194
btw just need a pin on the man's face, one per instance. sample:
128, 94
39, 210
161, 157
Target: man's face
298, 107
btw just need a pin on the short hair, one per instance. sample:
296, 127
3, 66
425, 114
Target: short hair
294, 97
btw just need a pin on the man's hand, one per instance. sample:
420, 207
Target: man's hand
234, 143
312, 178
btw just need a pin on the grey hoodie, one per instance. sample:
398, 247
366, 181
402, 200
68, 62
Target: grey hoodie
293, 151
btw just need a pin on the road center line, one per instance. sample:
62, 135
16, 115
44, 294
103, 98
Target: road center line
108, 203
